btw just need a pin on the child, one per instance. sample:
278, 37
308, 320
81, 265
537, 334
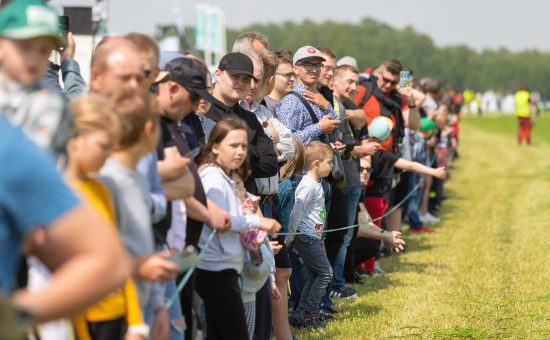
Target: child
224, 159
29, 32
96, 126
290, 176
138, 136
420, 155
309, 216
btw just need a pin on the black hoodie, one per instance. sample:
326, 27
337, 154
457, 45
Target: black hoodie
261, 153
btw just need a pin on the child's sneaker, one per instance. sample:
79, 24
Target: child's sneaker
377, 270
429, 218
311, 322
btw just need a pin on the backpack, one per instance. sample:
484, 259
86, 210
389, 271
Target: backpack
388, 106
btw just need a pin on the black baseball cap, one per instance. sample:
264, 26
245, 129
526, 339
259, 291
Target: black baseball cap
237, 63
187, 73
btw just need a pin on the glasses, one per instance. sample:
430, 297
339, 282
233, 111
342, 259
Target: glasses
392, 82
288, 76
310, 66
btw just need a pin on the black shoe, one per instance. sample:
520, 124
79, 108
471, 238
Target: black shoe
328, 309
311, 322
324, 315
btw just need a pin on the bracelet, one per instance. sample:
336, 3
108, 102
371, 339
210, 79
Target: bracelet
142, 329
412, 106
382, 231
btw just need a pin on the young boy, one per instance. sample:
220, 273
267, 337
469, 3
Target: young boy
29, 32
309, 216
138, 136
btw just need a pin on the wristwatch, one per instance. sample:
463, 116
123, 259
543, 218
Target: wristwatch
142, 329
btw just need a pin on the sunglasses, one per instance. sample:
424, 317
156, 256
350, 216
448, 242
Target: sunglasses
392, 82
362, 168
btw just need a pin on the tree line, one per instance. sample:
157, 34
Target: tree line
371, 42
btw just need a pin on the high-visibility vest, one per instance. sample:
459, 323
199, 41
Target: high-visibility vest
522, 103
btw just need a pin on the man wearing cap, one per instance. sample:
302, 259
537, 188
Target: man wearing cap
233, 81
308, 62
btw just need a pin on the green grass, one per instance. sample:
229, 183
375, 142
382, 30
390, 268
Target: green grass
485, 274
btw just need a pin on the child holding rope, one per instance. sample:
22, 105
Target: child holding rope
309, 216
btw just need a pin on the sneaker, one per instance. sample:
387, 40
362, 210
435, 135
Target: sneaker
363, 273
429, 218
311, 322
328, 309
345, 293
422, 230
377, 270
325, 315
294, 319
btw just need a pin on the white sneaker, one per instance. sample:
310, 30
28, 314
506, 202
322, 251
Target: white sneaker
429, 218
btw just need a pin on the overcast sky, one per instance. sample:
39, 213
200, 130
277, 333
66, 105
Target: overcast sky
516, 25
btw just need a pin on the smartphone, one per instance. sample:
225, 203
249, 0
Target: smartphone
404, 79
186, 258
193, 153
64, 28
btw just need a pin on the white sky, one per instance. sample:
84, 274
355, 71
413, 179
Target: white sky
516, 25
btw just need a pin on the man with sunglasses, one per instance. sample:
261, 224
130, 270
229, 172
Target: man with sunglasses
308, 62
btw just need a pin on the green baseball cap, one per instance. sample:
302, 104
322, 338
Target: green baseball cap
427, 124
26, 19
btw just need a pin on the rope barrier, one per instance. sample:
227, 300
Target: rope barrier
190, 271
357, 225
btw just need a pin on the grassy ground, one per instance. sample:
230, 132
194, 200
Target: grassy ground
485, 274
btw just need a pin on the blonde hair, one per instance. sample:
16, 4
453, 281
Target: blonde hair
317, 151
94, 113
296, 164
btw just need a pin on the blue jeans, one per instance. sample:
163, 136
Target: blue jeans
312, 252
412, 210
353, 194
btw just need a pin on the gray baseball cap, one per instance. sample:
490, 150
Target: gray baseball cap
305, 53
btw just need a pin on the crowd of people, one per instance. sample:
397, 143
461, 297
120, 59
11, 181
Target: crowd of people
266, 188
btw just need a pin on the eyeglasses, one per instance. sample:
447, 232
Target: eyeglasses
288, 76
392, 82
310, 66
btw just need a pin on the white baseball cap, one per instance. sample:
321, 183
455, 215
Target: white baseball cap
307, 52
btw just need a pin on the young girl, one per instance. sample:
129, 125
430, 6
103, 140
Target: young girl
289, 178
96, 128
223, 160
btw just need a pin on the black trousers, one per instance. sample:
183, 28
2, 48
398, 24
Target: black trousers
262, 330
107, 330
223, 304
365, 248
337, 218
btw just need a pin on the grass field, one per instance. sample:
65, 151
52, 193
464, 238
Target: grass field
485, 274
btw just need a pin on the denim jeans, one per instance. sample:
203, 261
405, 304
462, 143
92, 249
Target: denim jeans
313, 255
298, 278
353, 194
412, 210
